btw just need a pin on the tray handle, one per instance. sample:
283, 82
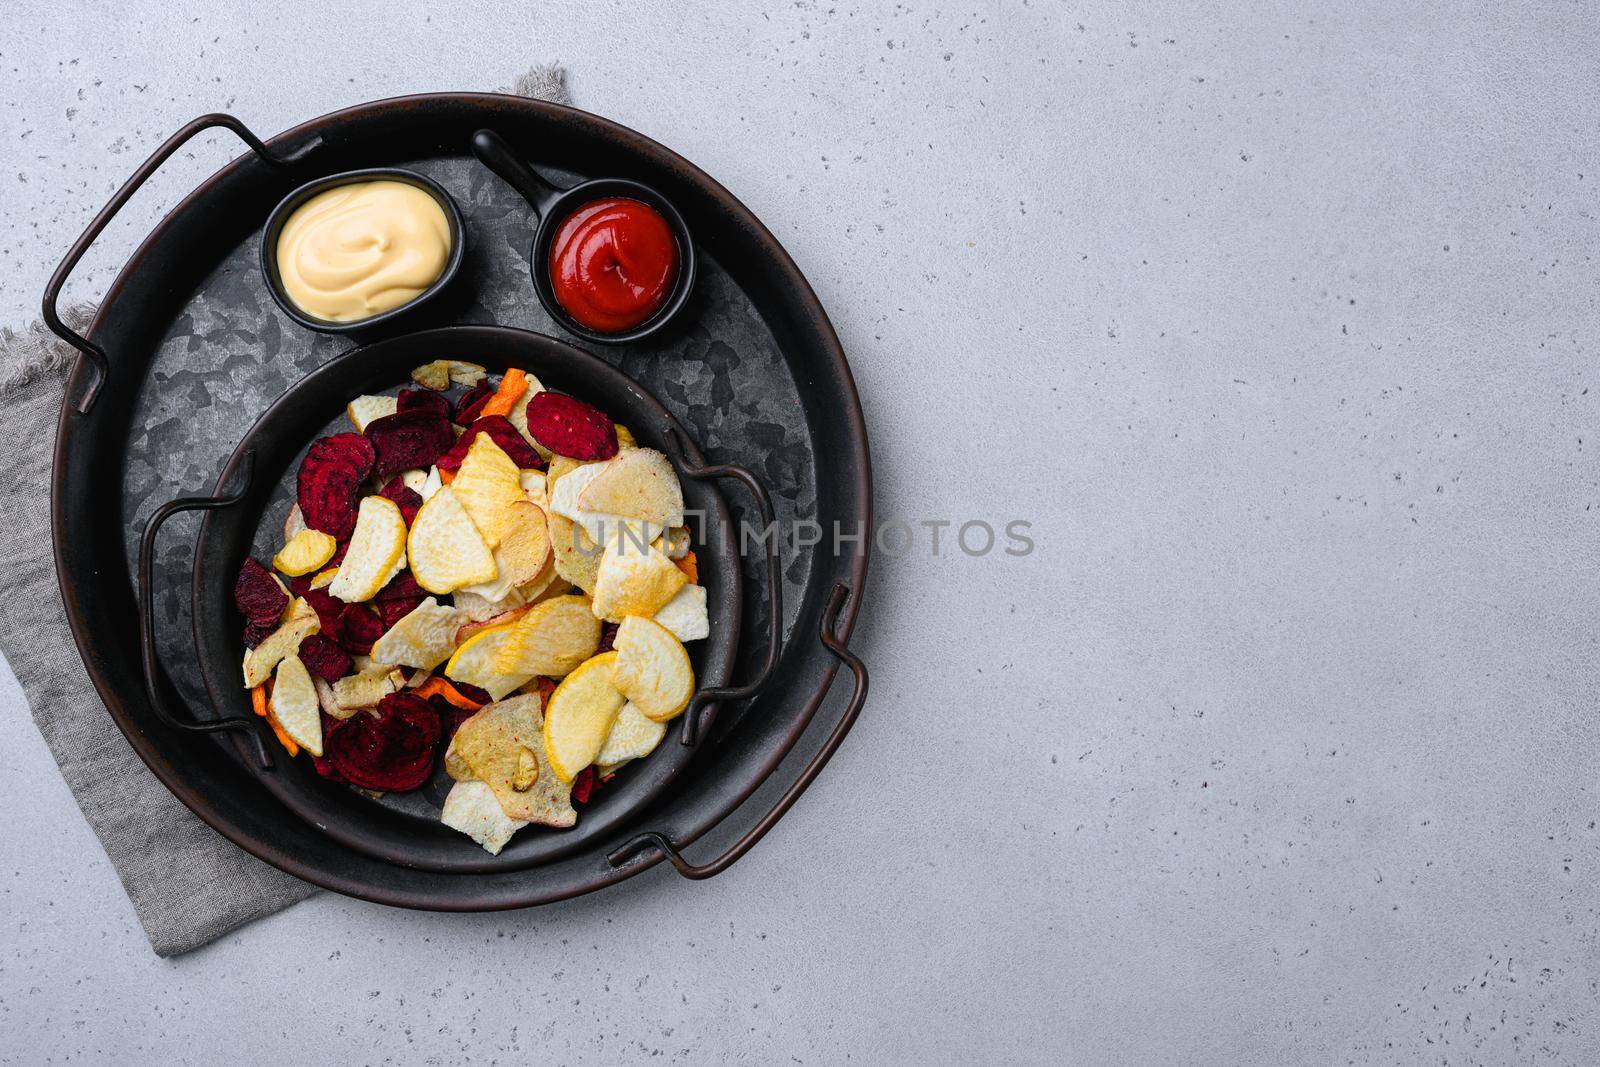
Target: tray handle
702, 710
147, 614
92, 352
654, 840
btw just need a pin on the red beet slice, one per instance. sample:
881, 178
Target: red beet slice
583, 785
257, 632
257, 595
324, 658
330, 479
393, 750
569, 427
401, 587
408, 499
328, 608
409, 439
471, 403
450, 717
608, 637
498, 427
392, 611
356, 629
423, 400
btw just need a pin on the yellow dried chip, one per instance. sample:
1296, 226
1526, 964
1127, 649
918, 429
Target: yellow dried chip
364, 410
633, 736
435, 375
471, 807
652, 668
502, 745
445, 548
522, 555
305, 552
323, 579
474, 663
637, 484
552, 639
259, 662
686, 615
377, 551
634, 581
489, 486
577, 556
463, 373
293, 523
625, 438
362, 690
580, 715
423, 638
294, 704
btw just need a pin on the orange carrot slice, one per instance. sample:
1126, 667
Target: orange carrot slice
689, 565
446, 477
437, 686
258, 699
512, 386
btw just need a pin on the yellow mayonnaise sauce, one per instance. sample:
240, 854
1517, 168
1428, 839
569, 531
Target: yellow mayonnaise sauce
357, 250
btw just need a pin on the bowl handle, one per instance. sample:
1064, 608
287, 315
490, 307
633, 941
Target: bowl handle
493, 152
52, 292
147, 615
645, 842
697, 718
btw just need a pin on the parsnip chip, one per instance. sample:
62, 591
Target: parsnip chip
259, 662
639, 483
600, 526
377, 551
522, 555
577, 555
328, 701
423, 638
675, 542
365, 690
463, 373
323, 579
471, 808
489, 486
414, 479
365, 409
293, 523
631, 581
474, 663
475, 608
652, 669
502, 745
552, 639
305, 552
294, 704
431, 484
533, 484
446, 550
686, 615
435, 375
580, 715
518, 415
633, 736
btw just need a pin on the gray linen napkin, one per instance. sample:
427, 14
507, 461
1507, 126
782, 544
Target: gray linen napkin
189, 885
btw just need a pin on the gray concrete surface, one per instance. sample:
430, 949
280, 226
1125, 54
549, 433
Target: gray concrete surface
1276, 320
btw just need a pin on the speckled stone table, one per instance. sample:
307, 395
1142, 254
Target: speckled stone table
1281, 746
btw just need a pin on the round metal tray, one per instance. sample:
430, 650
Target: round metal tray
187, 349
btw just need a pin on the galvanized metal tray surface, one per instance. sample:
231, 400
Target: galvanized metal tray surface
195, 349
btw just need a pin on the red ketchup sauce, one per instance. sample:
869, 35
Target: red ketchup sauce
612, 264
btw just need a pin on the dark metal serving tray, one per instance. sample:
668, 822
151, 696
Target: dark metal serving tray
187, 349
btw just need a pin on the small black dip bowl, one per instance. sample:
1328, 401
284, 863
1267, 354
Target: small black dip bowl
552, 206
287, 206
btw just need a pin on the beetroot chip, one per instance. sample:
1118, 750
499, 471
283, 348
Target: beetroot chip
569, 427
392, 611
512, 443
402, 587
393, 750
330, 479
408, 439
256, 594
583, 785
471, 403
423, 400
257, 632
324, 658
608, 637
328, 608
450, 717
357, 628
408, 499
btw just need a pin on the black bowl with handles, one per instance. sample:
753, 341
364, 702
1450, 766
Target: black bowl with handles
246, 519
552, 206
289, 204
